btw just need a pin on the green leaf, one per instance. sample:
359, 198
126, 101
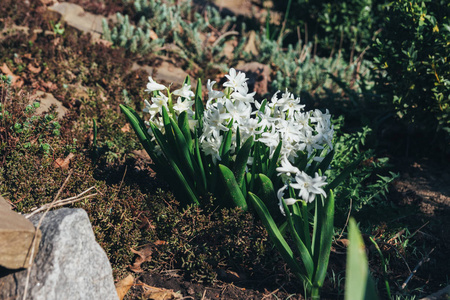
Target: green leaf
139, 127
274, 161
301, 161
325, 163
358, 283
160, 165
241, 161
343, 175
232, 188
187, 80
183, 123
201, 165
267, 194
177, 148
305, 254
277, 238
326, 231
301, 222
183, 149
199, 105
224, 150
168, 153
238, 140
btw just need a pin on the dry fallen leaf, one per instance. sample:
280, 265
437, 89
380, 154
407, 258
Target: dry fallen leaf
63, 163
33, 69
153, 35
123, 286
126, 128
159, 242
104, 42
155, 293
145, 254
16, 81
343, 242
49, 85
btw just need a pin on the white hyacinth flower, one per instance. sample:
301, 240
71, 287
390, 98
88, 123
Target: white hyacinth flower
154, 86
288, 201
213, 94
287, 170
185, 105
235, 80
309, 187
184, 92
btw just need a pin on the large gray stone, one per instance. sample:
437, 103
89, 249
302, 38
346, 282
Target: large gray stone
70, 263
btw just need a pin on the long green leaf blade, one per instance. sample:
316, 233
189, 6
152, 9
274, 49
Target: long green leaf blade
182, 147
325, 239
274, 160
183, 123
232, 188
266, 192
358, 282
241, 160
303, 251
169, 156
325, 163
199, 105
139, 127
277, 238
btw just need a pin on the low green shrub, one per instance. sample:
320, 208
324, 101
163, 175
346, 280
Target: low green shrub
365, 186
347, 26
412, 58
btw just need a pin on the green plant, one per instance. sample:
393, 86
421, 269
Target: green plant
298, 68
362, 188
57, 29
233, 152
166, 26
22, 127
358, 284
333, 26
384, 265
412, 59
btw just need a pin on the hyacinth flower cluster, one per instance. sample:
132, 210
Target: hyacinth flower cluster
244, 151
280, 121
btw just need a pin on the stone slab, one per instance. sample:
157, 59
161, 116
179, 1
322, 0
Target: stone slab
16, 238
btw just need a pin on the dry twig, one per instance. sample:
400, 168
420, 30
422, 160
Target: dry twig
63, 202
425, 259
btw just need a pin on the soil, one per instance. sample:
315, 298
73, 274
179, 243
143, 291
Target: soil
419, 202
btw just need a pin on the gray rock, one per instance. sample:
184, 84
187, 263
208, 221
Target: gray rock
70, 263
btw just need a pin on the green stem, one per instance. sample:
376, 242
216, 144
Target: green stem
315, 293
383, 263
